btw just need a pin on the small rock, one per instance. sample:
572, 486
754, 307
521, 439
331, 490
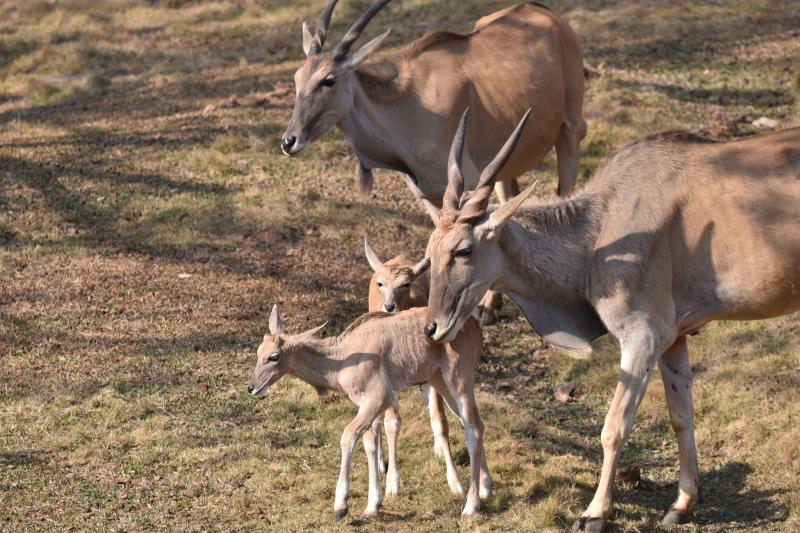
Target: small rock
210, 108
184, 275
765, 123
563, 392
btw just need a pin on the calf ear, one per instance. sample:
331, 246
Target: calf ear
276, 321
372, 257
308, 40
421, 267
434, 212
310, 333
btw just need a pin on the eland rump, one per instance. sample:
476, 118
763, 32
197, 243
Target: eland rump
673, 232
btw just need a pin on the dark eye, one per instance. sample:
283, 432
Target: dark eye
406, 286
380, 284
330, 81
463, 252
273, 358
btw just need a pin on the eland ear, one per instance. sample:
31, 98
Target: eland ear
421, 267
308, 40
373, 259
367, 50
276, 321
502, 214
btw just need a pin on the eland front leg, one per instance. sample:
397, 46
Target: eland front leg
641, 349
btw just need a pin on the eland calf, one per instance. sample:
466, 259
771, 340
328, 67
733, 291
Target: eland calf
396, 285
378, 355
673, 232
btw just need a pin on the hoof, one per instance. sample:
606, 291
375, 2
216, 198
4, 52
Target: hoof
586, 524
341, 513
371, 513
457, 491
486, 317
469, 512
675, 517
485, 493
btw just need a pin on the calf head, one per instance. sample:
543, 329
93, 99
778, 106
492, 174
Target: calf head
276, 353
390, 285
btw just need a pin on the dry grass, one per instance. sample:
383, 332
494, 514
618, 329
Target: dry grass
123, 403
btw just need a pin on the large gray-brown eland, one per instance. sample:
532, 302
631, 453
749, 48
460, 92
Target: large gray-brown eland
672, 232
378, 355
396, 285
515, 58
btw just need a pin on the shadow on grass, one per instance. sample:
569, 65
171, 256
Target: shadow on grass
725, 499
755, 97
30, 458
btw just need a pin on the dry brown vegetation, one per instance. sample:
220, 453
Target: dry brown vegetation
148, 223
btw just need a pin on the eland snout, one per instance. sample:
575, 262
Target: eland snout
288, 144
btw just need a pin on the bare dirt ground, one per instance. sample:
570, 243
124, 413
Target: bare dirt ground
148, 222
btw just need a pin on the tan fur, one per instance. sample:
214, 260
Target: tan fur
401, 287
520, 57
398, 273
374, 359
673, 232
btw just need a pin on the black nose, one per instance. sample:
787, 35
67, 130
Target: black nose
250, 387
389, 307
430, 330
287, 143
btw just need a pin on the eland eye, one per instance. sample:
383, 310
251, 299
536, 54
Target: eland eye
463, 252
380, 285
330, 81
273, 357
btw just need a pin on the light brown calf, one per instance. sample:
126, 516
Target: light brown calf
378, 355
397, 285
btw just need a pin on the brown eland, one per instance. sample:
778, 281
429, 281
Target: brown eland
674, 231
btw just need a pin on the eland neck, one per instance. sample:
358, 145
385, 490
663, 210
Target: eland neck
380, 123
317, 364
547, 249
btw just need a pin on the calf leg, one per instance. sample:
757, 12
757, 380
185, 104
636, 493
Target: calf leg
567, 152
374, 498
440, 431
438, 419
676, 372
473, 430
361, 423
640, 352
392, 425
376, 428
